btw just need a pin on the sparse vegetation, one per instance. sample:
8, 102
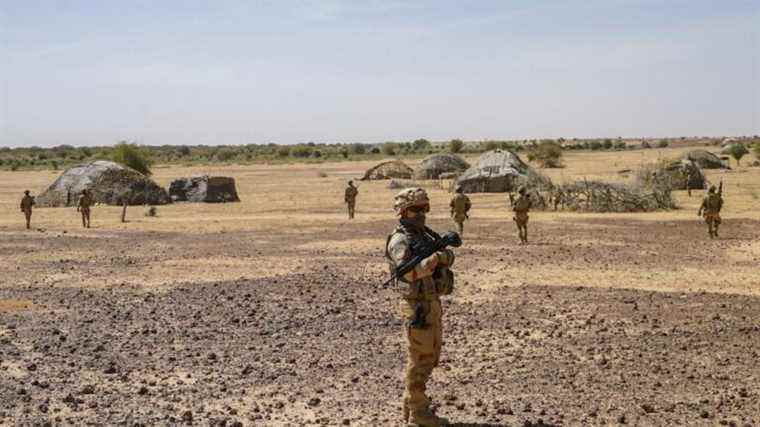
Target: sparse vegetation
456, 145
132, 156
737, 151
548, 154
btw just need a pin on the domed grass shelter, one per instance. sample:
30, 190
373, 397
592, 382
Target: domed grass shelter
434, 166
705, 159
388, 170
108, 182
499, 171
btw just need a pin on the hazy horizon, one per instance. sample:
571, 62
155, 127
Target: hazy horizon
238, 72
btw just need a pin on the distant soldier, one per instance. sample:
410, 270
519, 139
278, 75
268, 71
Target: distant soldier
83, 207
521, 206
26, 207
460, 207
350, 198
711, 205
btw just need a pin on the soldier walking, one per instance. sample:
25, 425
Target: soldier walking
421, 305
83, 207
350, 198
711, 205
460, 207
521, 206
26, 207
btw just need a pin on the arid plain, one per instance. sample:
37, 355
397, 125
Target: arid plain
270, 311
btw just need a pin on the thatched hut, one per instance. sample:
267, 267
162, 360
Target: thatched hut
110, 183
500, 171
433, 166
705, 159
677, 175
387, 170
204, 188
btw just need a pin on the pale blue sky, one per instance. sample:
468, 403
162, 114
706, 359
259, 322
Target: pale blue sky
238, 72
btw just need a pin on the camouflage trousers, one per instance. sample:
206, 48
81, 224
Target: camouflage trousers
712, 218
351, 209
459, 221
85, 217
28, 216
423, 352
521, 218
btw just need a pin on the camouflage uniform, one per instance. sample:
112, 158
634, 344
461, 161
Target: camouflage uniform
423, 285
460, 206
711, 205
26, 207
521, 206
350, 199
83, 207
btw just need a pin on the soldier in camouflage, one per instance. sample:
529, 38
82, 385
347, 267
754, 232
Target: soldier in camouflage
521, 206
422, 286
460, 206
350, 198
711, 205
26, 207
83, 207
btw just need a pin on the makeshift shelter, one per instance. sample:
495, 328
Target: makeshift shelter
387, 170
204, 188
110, 183
677, 175
500, 171
433, 166
705, 159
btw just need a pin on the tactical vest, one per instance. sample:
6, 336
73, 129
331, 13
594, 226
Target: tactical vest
422, 289
713, 203
522, 204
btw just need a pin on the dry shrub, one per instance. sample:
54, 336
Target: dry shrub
321, 174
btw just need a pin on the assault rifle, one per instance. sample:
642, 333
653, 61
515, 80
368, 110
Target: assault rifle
421, 252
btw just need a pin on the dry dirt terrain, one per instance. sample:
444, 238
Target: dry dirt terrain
271, 311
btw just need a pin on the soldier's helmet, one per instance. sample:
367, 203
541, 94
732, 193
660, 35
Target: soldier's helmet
26, 192
351, 182
410, 197
522, 189
712, 189
458, 189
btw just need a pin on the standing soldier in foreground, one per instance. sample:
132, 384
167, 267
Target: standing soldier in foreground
350, 198
460, 206
711, 205
521, 206
26, 207
421, 304
83, 207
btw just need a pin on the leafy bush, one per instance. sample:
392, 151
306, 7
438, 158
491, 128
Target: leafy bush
421, 145
548, 154
390, 148
456, 145
595, 145
358, 148
737, 151
375, 150
607, 144
132, 156
283, 151
663, 143
301, 151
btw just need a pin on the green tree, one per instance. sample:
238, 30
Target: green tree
737, 151
756, 150
456, 145
132, 156
663, 143
548, 154
607, 144
421, 145
283, 151
390, 148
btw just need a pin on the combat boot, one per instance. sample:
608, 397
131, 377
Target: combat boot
425, 418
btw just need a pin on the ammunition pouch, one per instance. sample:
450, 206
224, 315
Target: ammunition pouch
443, 278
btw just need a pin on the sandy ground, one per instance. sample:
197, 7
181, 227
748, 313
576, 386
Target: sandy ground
270, 311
